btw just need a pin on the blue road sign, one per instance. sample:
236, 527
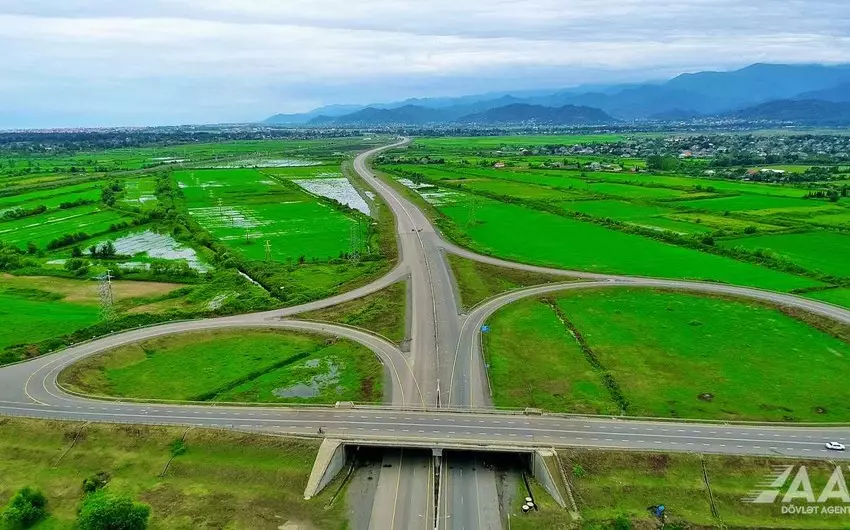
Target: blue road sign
485, 329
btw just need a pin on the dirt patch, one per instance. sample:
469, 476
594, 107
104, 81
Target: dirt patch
86, 291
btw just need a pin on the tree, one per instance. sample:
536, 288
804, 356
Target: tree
107, 196
25, 509
108, 250
102, 511
31, 248
93, 251
76, 252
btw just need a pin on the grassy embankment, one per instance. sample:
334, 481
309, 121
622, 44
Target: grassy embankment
478, 281
224, 480
621, 485
382, 312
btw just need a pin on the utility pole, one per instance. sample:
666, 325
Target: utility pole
472, 211
268, 250
220, 209
247, 236
107, 301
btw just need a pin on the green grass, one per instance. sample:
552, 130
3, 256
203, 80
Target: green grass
43, 228
684, 182
519, 190
382, 312
824, 252
671, 225
32, 315
834, 296
294, 222
751, 202
621, 210
232, 365
534, 362
835, 220
720, 222
224, 480
52, 198
609, 484
478, 281
665, 350
517, 233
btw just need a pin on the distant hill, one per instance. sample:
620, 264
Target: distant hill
675, 115
522, 113
406, 115
701, 93
807, 111
836, 94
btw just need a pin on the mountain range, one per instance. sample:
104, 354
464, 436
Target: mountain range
775, 92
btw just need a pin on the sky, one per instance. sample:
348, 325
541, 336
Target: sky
84, 63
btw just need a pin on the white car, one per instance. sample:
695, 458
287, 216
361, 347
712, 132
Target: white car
835, 446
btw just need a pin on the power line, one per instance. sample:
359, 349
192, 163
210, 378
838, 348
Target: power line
354, 242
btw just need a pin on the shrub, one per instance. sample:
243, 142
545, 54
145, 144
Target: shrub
621, 523
102, 511
25, 509
95, 482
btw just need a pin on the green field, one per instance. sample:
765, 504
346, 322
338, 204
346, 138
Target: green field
751, 202
41, 229
234, 365
620, 210
43, 315
822, 251
721, 222
513, 232
294, 222
35, 308
670, 354
223, 480
52, 198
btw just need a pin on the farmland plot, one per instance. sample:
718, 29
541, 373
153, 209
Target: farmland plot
41, 229
825, 252
244, 209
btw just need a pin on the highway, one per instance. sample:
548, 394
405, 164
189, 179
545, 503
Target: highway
438, 392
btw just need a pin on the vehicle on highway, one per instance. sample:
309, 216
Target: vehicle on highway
835, 446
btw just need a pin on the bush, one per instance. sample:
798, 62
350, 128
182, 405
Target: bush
621, 523
95, 482
25, 509
102, 511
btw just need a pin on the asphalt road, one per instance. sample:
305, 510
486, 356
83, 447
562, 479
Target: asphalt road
443, 368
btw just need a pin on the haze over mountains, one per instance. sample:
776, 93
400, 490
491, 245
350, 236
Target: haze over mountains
805, 94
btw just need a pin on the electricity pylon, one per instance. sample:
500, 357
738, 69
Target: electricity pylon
107, 301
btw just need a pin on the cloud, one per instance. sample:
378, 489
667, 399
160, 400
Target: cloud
111, 62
